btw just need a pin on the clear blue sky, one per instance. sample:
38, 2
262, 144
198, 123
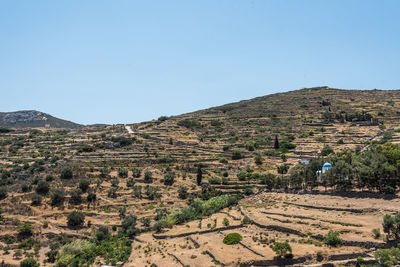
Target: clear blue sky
129, 61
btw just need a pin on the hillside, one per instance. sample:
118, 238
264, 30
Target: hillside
135, 195
33, 119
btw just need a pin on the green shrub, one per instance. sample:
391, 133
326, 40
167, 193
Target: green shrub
182, 192
388, 257
3, 192
232, 238
84, 185
57, 197
223, 160
169, 178
258, 159
391, 226
25, 230
129, 228
332, 239
122, 173
136, 172
214, 180
29, 262
282, 249
75, 219
148, 176
130, 182
236, 154
36, 200
66, 173
43, 187
377, 233
75, 197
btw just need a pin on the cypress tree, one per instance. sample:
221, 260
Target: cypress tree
199, 175
276, 144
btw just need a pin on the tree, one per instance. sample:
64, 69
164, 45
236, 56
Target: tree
91, 197
84, 185
232, 238
25, 230
66, 173
136, 172
391, 226
236, 154
57, 197
388, 257
182, 192
258, 159
332, 239
282, 169
36, 200
169, 178
276, 143
326, 150
75, 219
199, 175
43, 187
129, 228
122, 173
3, 192
75, 197
148, 176
28, 262
282, 249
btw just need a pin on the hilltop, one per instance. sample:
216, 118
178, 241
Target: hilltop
169, 190
33, 119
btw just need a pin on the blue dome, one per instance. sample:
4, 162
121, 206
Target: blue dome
327, 165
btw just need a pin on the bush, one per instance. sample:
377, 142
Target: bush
223, 160
326, 150
241, 175
214, 180
282, 249
236, 154
57, 197
66, 173
29, 262
130, 182
182, 192
3, 192
84, 185
148, 176
232, 238
43, 187
258, 159
388, 257
377, 233
282, 169
246, 220
169, 178
36, 200
225, 180
332, 239
122, 173
75, 219
391, 226
129, 226
269, 180
51, 255
136, 172
25, 230
75, 197
225, 222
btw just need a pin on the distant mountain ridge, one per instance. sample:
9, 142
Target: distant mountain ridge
33, 118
